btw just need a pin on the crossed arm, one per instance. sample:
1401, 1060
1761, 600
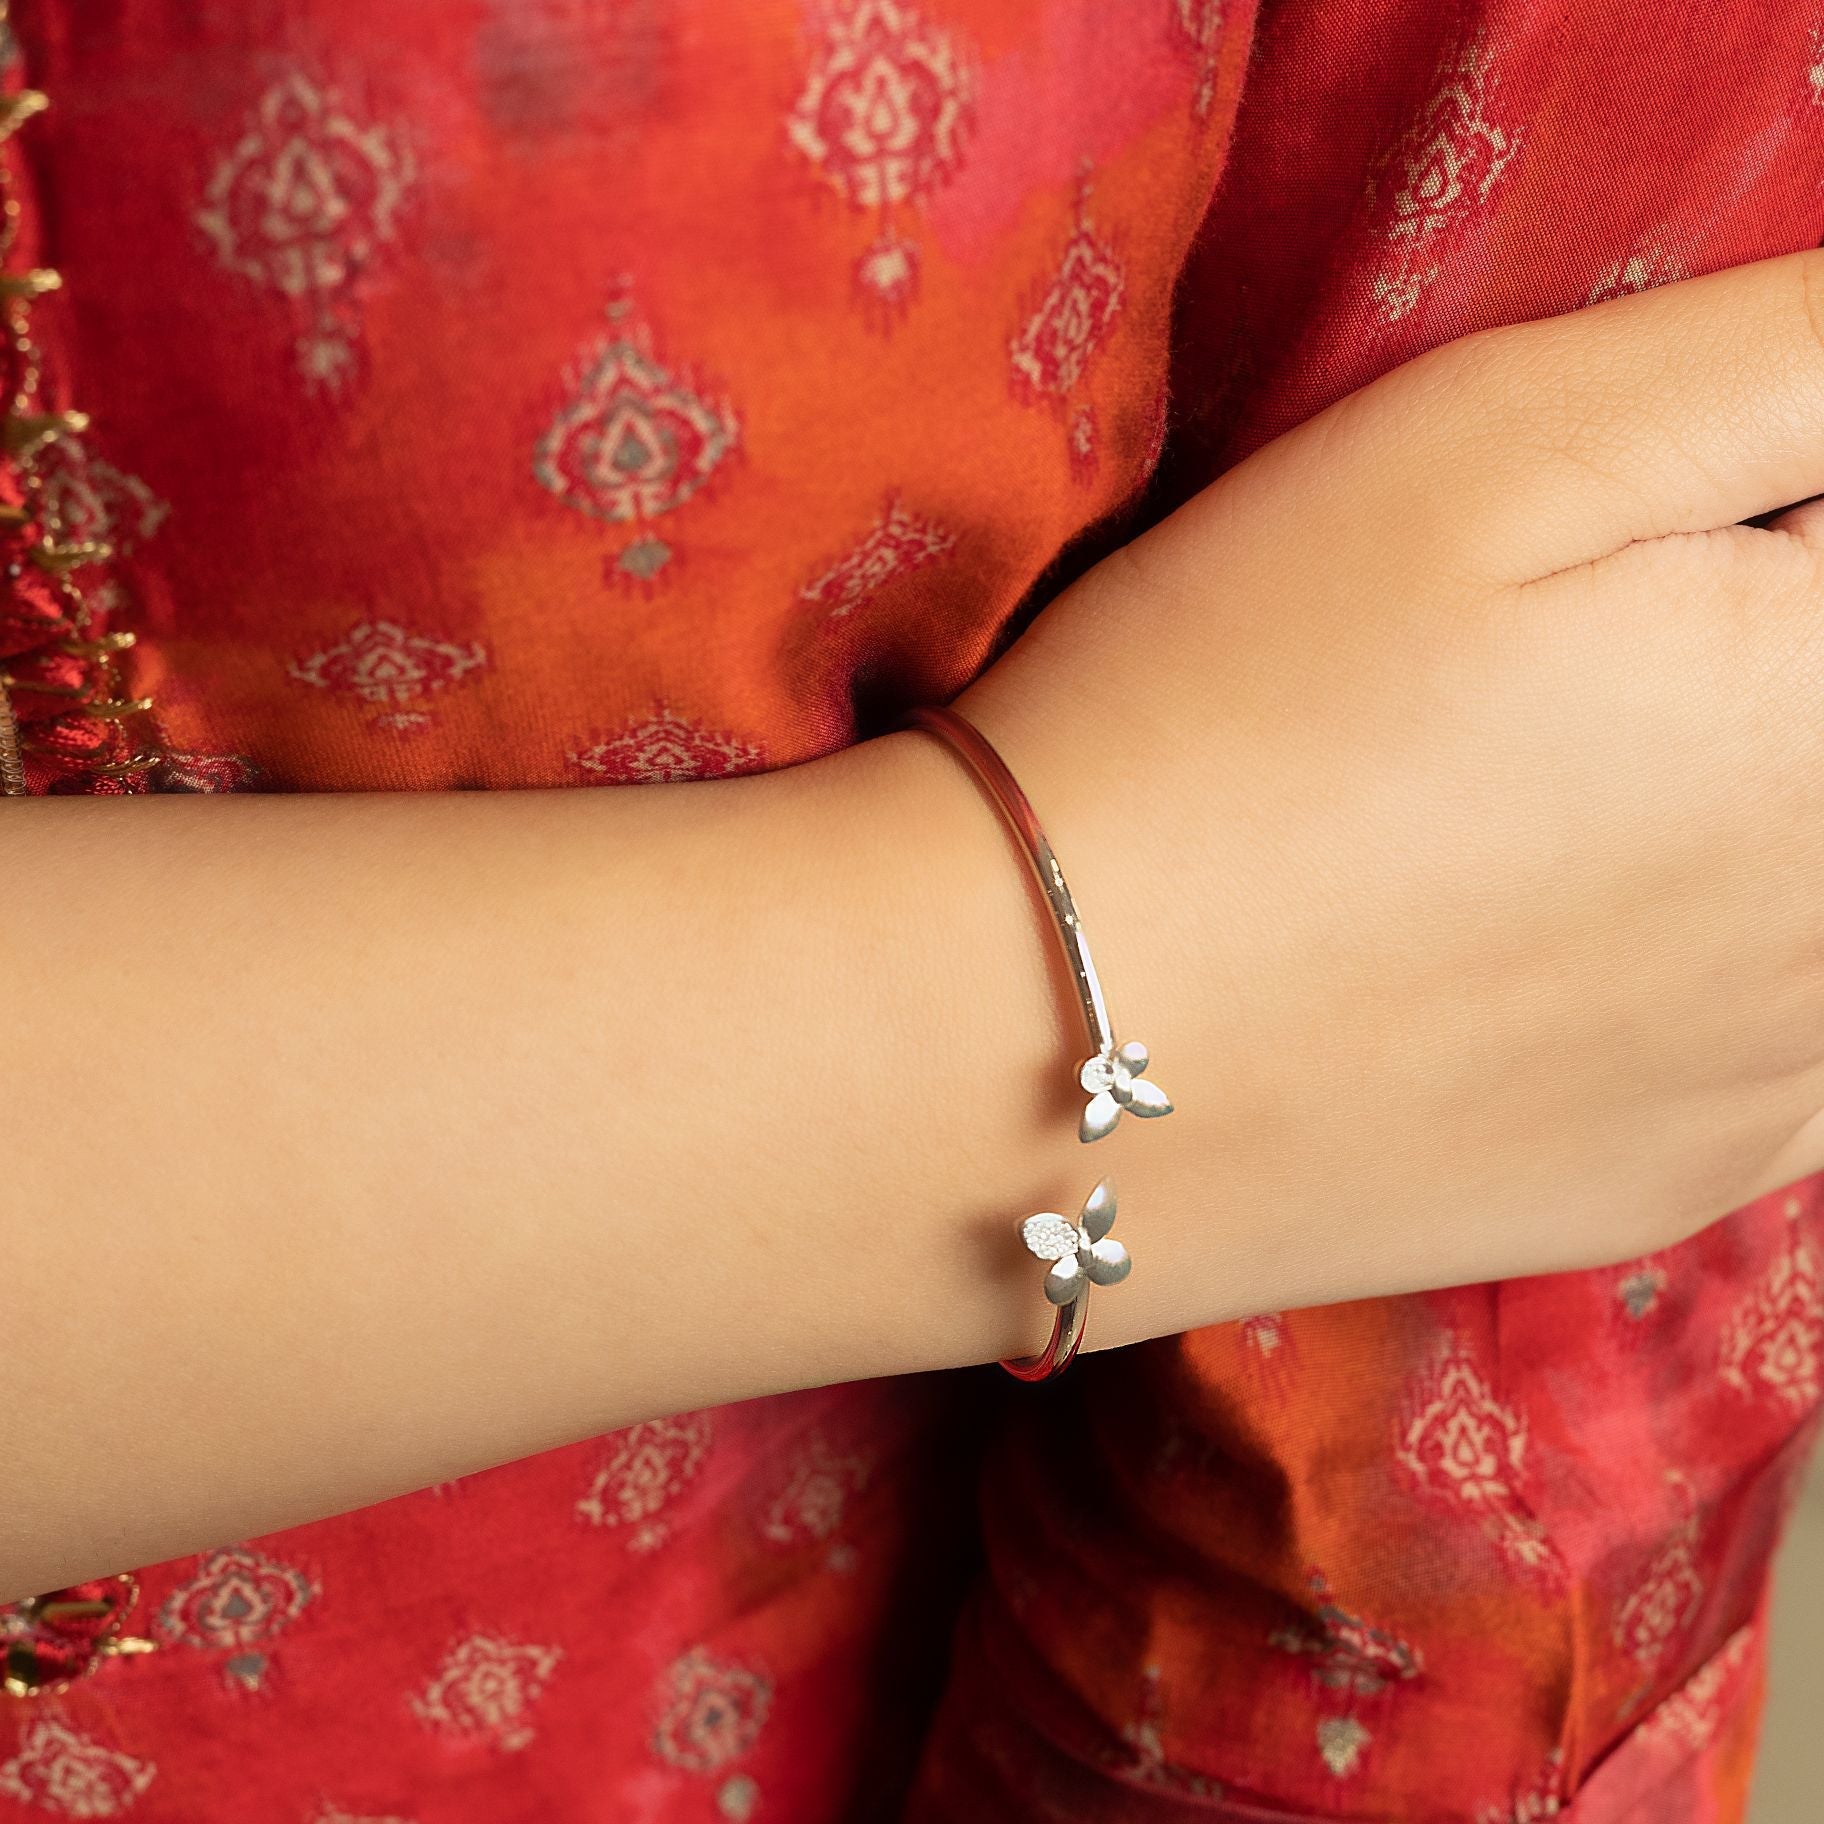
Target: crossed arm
1459, 864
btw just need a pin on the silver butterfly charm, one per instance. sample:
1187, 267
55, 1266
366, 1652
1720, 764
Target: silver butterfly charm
1080, 1252
1116, 1086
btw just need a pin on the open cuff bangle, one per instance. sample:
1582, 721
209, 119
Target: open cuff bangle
1079, 1250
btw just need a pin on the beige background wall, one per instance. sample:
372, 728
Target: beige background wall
1790, 1786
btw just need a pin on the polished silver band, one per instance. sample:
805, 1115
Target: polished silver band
1079, 1251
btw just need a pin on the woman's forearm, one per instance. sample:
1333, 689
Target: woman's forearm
352, 1143
1448, 820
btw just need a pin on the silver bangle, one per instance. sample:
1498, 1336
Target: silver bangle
1078, 1249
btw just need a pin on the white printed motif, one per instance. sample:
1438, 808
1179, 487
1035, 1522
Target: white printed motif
1461, 1445
1069, 320
1439, 176
737, 1797
1689, 1720
1663, 1603
1638, 272
1141, 1754
1347, 1653
650, 1464
1340, 1742
882, 118
1772, 1347
712, 1712
818, 1483
384, 664
634, 440
1199, 24
304, 201
59, 1770
667, 744
1265, 1334
1542, 1799
237, 1601
896, 544
485, 1686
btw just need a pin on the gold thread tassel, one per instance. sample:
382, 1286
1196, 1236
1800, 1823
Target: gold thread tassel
19, 107
23, 432
25, 428
119, 769
33, 284
12, 753
128, 1643
60, 559
118, 640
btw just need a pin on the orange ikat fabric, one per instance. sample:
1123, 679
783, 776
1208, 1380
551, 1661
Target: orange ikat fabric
576, 393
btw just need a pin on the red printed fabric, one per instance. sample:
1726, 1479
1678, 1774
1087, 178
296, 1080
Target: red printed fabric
493, 393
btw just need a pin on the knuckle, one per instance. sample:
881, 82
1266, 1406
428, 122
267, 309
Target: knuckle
1425, 444
1752, 630
1772, 591
1528, 418
1448, 388
1481, 357
1727, 593
1733, 615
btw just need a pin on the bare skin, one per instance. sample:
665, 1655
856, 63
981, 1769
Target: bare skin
1443, 791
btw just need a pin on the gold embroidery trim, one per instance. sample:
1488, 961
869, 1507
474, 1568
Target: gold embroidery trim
26, 427
12, 755
20, 1673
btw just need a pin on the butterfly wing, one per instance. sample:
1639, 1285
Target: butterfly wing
1109, 1263
1099, 1210
1099, 1116
1145, 1097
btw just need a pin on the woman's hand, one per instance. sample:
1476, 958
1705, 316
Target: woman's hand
1444, 793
